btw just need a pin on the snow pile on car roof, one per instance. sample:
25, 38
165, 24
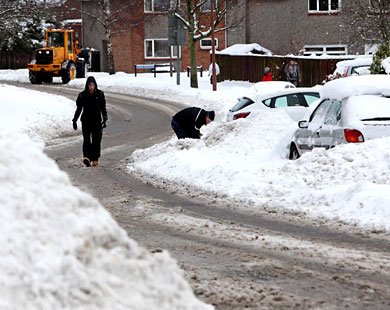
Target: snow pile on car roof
356, 86
245, 49
359, 61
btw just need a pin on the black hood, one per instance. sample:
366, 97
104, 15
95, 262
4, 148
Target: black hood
91, 79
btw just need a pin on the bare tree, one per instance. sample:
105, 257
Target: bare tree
113, 16
198, 24
368, 21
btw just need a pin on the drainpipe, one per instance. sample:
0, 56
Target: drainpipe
82, 25
247, 21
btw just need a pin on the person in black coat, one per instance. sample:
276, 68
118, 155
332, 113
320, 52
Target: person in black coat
187, 123
92, 103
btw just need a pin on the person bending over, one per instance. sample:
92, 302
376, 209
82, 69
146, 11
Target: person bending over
187, 123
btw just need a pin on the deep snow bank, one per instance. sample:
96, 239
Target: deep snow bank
246, 160
40, 115
59, 248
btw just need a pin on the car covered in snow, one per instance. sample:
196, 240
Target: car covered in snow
350, 111
357, 66
271, 86
294, 101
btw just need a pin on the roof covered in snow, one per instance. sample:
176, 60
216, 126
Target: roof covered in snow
246, 49
356, 86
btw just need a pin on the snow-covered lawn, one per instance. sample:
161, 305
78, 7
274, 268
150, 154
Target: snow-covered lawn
59, 248
246, 159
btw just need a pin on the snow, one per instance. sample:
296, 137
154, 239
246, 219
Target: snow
59, 248
361, 61
386, 65
245, 49
356, 85
245, 160
271, 86
33, 113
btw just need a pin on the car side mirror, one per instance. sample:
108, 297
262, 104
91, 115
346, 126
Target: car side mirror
303, 124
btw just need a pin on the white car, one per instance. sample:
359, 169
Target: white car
292, 100
357, 66
271, 86
350, 111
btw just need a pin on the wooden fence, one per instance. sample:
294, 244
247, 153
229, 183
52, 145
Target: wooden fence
14, 59
251, 68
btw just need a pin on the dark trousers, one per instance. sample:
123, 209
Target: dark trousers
179, 131
92, 134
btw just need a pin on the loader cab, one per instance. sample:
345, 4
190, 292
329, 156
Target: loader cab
55, 39
61, 39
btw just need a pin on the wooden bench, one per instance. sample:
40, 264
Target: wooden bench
153, 67
198, 68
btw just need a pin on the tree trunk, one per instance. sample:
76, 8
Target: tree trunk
107, 28
193, 64
110, 55
191, 45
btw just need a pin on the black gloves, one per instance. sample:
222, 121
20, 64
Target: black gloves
74, 124
104, 123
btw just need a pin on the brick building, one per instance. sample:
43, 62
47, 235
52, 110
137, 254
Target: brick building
297, 26
142, 35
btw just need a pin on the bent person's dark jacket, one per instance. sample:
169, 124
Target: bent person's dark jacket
93, 108
191, 120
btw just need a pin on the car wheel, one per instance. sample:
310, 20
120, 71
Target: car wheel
294, 154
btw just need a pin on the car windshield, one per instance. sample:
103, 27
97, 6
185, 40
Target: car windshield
55, 39
244, 102
361, 70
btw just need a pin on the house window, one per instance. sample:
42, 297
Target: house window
205, 44
207, 5
156, 5
324, 6
159, 48
318, 50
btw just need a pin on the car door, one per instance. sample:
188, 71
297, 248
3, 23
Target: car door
291, 104
309, 137
329, 133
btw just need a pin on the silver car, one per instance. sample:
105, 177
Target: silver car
353, 119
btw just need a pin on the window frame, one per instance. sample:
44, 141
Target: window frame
173, 48
208, 47
329, 11
325, 50
153, 10
208, 9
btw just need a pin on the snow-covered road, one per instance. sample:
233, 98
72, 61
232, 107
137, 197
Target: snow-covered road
236, 252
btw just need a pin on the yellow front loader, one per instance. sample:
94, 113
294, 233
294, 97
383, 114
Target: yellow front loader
60, 57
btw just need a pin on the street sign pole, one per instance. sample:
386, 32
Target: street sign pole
214, 77
178, 65
176, 36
